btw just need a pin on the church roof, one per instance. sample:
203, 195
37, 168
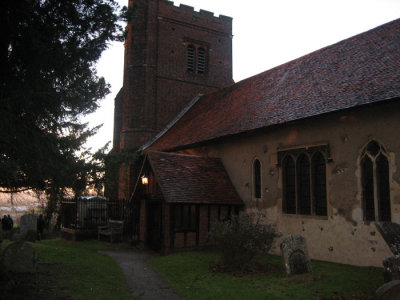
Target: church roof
361, 70
192, 179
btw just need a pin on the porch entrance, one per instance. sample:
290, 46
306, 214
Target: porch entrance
154, 225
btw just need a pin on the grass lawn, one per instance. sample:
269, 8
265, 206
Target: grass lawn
69, 270
190, 274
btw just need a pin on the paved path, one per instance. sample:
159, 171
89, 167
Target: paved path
143, 282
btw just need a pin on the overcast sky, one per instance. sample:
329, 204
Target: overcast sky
266, 33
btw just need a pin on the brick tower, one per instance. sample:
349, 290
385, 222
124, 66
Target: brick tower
171, 55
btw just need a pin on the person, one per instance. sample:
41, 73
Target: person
4, 223
40, 227
10, 223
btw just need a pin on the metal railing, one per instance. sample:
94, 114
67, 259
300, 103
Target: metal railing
87, 213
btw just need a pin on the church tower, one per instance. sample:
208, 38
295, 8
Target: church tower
171, 55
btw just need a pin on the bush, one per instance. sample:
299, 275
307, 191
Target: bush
241, 238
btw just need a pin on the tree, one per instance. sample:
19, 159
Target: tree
48, 82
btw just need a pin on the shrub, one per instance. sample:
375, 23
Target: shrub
241, 238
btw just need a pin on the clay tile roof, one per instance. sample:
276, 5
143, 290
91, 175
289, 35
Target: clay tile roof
357, 71
192, 179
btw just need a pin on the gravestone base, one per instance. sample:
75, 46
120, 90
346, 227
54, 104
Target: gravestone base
19, 257
388, 291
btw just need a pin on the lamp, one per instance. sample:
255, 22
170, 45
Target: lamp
145, 180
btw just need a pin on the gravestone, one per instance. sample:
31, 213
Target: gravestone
295, 255
19, 257
28, 223
388, 291
391, 268
391, 234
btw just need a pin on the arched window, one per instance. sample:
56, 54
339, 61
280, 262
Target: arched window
367, 178
319, 184
375, 184
383, 187
196, 58
190, 58
257, 178
304, 180
303, 184
289, 185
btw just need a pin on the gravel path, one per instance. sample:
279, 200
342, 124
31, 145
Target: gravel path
143, 282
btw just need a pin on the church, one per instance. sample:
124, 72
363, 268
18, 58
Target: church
312, 145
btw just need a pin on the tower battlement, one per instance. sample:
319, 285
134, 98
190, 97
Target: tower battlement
190, 9
188, 14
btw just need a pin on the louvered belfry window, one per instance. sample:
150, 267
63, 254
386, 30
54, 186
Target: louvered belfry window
375, 183
190, 57
196, 59
201, 60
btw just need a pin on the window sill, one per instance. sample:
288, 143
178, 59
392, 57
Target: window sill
297, 216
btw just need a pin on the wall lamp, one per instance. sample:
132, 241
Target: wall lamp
145, 179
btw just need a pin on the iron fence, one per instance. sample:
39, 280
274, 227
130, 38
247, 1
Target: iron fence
87, 213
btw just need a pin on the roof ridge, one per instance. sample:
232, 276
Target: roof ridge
313, 52
180, 154
172, 123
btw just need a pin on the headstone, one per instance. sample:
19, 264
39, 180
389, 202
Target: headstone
388, 291
28, 223
391, 234
295, 255
19, 257
391, 268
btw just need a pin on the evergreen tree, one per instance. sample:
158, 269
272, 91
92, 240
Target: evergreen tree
48, 82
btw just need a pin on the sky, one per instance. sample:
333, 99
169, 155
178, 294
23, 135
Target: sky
266, 33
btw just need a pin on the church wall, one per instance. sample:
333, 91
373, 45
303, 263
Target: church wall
341, 236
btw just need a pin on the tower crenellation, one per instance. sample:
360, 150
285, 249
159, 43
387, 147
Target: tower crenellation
183, 8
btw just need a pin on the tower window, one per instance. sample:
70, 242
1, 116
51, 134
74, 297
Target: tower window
201, 60
196, 59
190, 57
375, 183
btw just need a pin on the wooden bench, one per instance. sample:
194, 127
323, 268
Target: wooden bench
113, 229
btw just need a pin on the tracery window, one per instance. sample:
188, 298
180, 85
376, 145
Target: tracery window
257, 178
304, 181
375, 183
319, 183
196, 59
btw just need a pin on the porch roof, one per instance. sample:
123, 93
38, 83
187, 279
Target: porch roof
192, 179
